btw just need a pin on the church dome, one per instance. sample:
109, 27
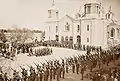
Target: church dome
92, 2
92, 8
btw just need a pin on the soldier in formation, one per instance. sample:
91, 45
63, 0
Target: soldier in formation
40, 51
16, 76
32, 74
24, 74
56, 69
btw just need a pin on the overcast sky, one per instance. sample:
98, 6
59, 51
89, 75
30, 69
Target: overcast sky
33, 13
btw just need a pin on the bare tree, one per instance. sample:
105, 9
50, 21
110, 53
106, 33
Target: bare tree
2, 36
20, 35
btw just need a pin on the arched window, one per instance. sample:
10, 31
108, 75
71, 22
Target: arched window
57, 38
97, 9
78, 28
71, 39
62, 39
57, 14
49, 11
66, 38
118, 30
88, 9
87, 27
87, 39
108, 16
112, 32
78, 39
36, 40
56, 29
67, 26
108, 34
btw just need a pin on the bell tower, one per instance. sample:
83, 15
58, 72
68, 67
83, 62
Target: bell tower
52, 23
92, 9
109, 15
53, 12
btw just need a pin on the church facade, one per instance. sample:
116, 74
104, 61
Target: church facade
91, 28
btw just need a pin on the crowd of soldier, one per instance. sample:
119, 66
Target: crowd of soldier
76, 46
54, 69
40, 51
27, 48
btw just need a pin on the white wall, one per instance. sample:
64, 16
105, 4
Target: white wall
95, 33
75, 33
62, 31
84, 33
50, 33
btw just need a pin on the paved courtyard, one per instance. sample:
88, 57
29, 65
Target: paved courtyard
24, 60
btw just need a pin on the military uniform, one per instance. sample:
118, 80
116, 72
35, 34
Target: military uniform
54, 72
63, 68
54, 69
41, 75
47, 73
77, 67
1, 77
16, 76
32, 74
73, 67
5, 77
82, 71
51, 73
66, 67
24, 75
44, 75
82, 68
63, 71
58, 73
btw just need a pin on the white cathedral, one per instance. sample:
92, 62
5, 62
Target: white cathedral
91, 28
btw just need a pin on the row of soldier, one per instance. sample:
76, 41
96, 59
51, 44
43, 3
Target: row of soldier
40, 51
51, 70
76, 46
55, 69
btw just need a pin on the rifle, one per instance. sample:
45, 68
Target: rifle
41, 63
21, 68
78, 54
46, 61
50, 60
36, 64
55, 59
28, 65
61, 58
12, 69
70, 57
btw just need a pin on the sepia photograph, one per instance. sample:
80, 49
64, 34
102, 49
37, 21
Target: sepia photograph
59, 40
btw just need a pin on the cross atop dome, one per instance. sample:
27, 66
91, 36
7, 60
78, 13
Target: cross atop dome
110, 9
109, 14
53, 11
53, 7
53, 3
